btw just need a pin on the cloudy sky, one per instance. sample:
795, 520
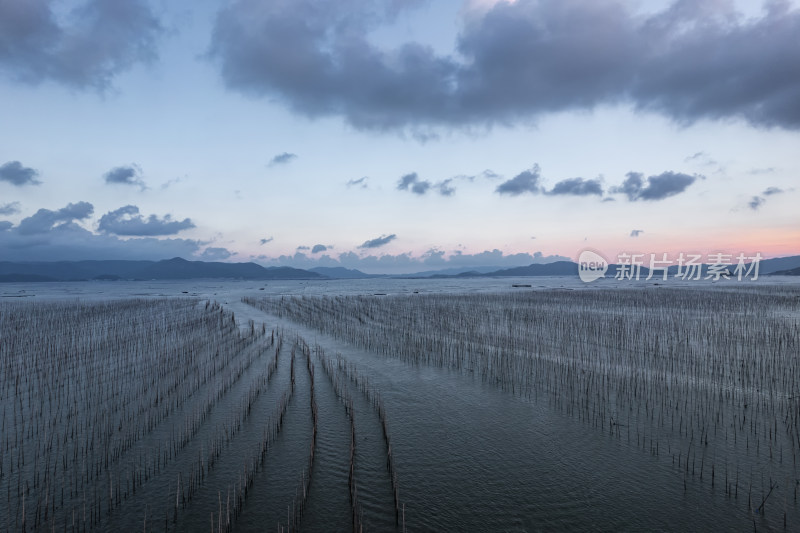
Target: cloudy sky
397, 135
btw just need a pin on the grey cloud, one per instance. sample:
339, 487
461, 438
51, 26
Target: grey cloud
70, 242
658, 187
9, 208
700, 158
265, 241
406, 263
379, 241
319, 248
719, 65
303, 247
756, 202
578, 187
85, 48
345, 259
169, 183
332, 68
486, 174
360, 182
631, 187
636, 232
53, 235
282, 159
692, 60
125, 175
421, 187
45, 219
127, 221
665, 185
215, 254
757, 171
14, 173
526, 181
497, 257
445, 188
407, 181
412, 182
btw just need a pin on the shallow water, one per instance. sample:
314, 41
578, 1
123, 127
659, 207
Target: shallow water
468, 455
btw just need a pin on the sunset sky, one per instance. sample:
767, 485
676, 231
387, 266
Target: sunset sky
397, 135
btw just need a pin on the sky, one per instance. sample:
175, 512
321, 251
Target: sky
398, 136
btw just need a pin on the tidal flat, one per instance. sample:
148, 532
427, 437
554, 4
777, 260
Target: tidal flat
400, 405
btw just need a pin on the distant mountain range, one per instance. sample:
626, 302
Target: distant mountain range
557, 268
168, 269
786, 266
177, 268
343, 273
790, 272
457, 271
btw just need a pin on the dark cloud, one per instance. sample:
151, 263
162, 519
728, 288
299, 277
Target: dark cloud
303, 247
215, 254
9, 208
692, 60
126, 175
127, 221
756, 202
636, 232
406, 263
282, 159
262, 242
658, 187
705, 61
319, 248
45, 220
54, 235
14, 173
169, 183
631, 187
412, 182
486, 174
420, 187
526, 181
757, 171
83, 48
445, 188
578, 187
70, 242
379, 241
332, 68
700, 158
360, 182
